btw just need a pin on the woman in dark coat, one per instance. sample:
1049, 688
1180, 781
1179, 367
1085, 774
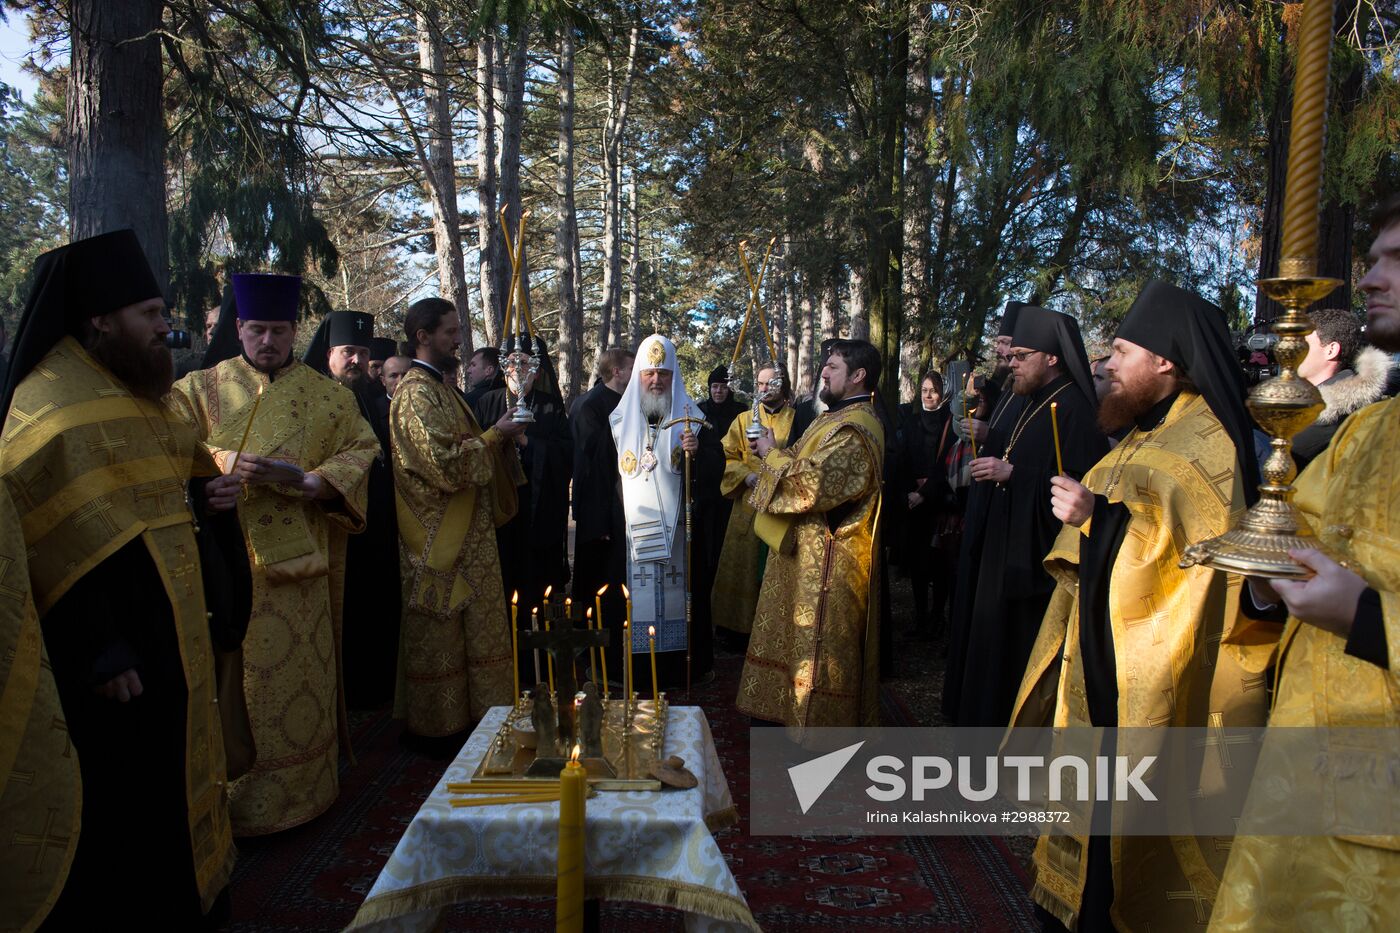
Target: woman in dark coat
931, 513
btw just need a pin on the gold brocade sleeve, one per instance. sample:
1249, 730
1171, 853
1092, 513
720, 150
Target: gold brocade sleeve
432, 450
347, 469
837, 472
1349, 498
739, 461
41, 796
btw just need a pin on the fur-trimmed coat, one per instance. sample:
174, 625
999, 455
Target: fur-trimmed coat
1348, 391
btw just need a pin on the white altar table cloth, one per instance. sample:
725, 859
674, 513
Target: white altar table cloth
652, 847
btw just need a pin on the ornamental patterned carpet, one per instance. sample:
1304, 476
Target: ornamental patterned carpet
314, 877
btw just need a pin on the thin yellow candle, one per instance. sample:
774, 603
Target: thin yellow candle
549, 659
971, 435
1055, 429
247, 429
651, 640
1302, 186
626, 662
535, 627
460, 802
627, 641
514, 647
573, 812
598, 604
592, 652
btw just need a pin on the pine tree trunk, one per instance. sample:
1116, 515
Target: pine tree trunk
859, 319
116, 128
570, 349
918, 207
792, 316
489, 254
885, 225
619, 99
634, 267
830, 303
807, 347
442, 175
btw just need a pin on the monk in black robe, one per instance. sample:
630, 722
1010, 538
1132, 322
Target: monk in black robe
598, 519
988, 407
713, 509
1008, 585
534, 544
341, 350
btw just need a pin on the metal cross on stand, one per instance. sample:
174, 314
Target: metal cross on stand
564, 644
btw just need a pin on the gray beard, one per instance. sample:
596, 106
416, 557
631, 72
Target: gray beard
655, 408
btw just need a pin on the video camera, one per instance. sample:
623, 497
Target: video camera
1255, 351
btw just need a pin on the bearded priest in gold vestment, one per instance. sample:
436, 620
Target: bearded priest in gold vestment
1339, 664
742, 559
306, 454
1132, 640
103, 537
813, 656
455, 485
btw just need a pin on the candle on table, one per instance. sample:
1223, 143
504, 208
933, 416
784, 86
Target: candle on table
651, 641
573, 789
1055, 429
514, 647
535, 627
626, 662
593, 655
598, 604
549, 660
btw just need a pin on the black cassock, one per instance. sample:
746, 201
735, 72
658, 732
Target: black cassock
1004, 587
534, 544
134, 849
372, 595
598, 513
712, 510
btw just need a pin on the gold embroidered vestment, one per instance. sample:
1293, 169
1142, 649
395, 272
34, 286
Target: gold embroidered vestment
291, 655
1351, 496
91, 468
1184, 655
454, 484
741, 560
813, 653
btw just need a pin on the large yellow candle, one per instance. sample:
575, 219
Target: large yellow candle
573, 791
1306, 137
549, 659
651, 641
514, 647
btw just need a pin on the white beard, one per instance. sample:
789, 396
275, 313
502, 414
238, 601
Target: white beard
655, 408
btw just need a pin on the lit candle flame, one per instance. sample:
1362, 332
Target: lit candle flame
515, 597
547, 591
603, 589
626, 594
589, 613
651, 631
578, 750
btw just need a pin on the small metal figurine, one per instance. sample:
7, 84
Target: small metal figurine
590, 722
542, 718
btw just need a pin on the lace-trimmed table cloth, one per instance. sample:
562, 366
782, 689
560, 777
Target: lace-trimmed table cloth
653, 847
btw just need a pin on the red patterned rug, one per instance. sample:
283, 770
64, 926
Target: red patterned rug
314, 877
